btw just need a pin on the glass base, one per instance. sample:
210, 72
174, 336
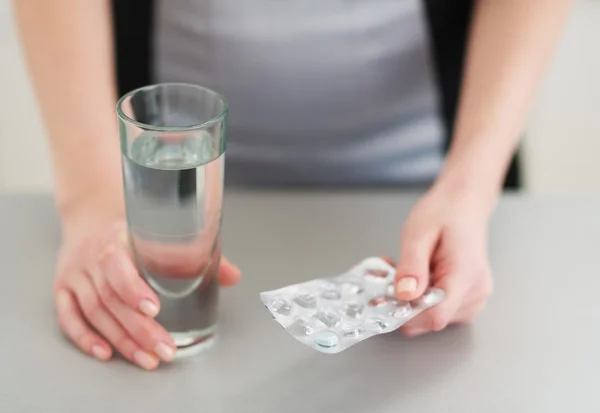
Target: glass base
193, 343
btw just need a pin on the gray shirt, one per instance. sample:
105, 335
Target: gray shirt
320, 91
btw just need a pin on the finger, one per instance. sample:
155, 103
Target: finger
187, 258
437, 318
116, 273
412, 275
389, 260
415, 331
433, 319
420, 326
149, 334
229, 274
100, 318
72, 324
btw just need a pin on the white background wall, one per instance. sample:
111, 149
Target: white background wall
563, 143
562, 148
20, 126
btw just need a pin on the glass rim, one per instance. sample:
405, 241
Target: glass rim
147, 126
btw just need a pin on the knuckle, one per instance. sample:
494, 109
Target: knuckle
91, 307
107, 294
63, 322
124, 290
438, 321
122, 342
126, 346
109, 253
83, 339
58, 284
143, 330
74, 330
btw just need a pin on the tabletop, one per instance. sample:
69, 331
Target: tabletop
534, 348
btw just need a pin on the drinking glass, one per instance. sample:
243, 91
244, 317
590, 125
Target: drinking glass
173, 139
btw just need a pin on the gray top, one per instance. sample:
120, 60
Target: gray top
535, 348
320, 91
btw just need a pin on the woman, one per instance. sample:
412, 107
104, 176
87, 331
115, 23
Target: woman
334, 92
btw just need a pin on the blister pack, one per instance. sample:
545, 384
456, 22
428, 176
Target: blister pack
332, 314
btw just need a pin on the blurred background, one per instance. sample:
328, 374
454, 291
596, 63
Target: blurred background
560, 150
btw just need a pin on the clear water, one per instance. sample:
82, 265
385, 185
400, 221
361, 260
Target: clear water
173, 194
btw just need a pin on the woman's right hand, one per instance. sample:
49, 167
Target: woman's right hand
103, 302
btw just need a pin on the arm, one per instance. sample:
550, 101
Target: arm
68, 48
444, 239
510, 44
101, 301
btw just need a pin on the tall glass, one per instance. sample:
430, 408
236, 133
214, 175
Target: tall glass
173, 147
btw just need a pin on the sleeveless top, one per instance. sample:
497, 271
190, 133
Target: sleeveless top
340, 92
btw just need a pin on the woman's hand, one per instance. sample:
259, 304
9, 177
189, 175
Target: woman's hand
444, 244
101, 299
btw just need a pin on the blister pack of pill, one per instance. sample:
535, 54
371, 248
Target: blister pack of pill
332, 314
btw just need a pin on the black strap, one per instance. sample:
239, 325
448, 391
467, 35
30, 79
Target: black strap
133, 26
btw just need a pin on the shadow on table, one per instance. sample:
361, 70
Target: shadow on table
322, 383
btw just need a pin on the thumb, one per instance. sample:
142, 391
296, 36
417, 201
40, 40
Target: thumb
413, 270
229, 273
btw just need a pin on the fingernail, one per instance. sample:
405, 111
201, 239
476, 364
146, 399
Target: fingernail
149, 308
406, 285
164, 351
100, 352
145, 360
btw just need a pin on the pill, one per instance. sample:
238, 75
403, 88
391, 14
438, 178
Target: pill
328, 318
402, 310
306, 300
301, 327
331, 295
332, 314
281, 306
327, 339
352, 288
353, 330
353, 310
329, 285
430, 298
377, 324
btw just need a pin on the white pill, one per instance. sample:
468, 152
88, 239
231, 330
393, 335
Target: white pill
327, 339
402, 311
301, 328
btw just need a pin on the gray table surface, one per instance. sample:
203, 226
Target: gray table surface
534, 349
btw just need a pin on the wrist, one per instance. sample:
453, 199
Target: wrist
469, 186
475, 168
98, 205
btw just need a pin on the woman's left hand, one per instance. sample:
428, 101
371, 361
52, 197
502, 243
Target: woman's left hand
444, 245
